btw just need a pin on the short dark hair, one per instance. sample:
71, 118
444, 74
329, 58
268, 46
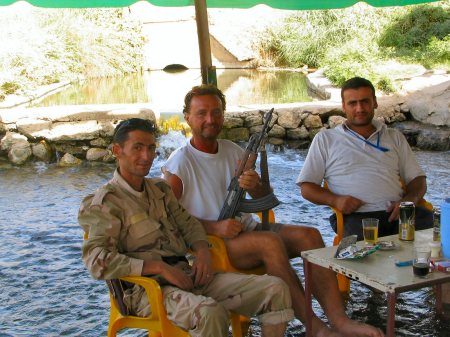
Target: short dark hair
356, 83
202, 90
126, 126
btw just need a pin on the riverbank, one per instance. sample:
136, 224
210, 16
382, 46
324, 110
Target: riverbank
70, 134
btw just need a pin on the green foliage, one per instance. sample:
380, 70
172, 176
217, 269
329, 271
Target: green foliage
44, 46
356, 40
416, 26
438, 50
308, 36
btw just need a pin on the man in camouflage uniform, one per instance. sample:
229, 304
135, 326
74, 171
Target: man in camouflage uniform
137, 227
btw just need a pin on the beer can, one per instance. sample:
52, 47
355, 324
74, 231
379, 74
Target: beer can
437, 224
407, 221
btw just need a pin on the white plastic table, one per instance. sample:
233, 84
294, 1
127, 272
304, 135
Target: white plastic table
377, 270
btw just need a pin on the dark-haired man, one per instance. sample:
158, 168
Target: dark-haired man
137, 227
363, 163
200, 173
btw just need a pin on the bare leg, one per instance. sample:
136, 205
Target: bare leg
325, 287
251, 249
273, 330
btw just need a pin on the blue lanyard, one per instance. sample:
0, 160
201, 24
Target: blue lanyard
376, 146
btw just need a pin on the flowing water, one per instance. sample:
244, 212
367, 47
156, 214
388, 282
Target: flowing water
46, 290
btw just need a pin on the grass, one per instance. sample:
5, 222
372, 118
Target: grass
357, 41
45, 46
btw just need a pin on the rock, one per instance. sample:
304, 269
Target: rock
436, 140
75, 113
431, 105
233, 122
314, 132
97, 154
237, 134
297, 133
12, 138
19, 153
425, 136
100, 142
252, 120
334, 121
43, 151
72, 148
255, 129
398, 117
69, 131
29, 126
109, 157
313, 122
288, 118
277, 131
69, 160
326, 112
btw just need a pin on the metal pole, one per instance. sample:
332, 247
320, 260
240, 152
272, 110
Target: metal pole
201, 17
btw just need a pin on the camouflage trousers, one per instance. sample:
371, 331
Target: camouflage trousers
204, 311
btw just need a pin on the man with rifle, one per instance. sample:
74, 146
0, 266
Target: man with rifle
136, 227
199, 174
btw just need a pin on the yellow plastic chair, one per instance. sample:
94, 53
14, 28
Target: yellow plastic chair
221, 262
344, 281
157, 323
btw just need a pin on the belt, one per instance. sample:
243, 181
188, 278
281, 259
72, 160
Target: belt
172, 260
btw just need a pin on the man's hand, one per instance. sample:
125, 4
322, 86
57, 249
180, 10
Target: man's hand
171, 274
202, 267
177, 277
395, 209
415, 190
347, 204
249, 180
228, 228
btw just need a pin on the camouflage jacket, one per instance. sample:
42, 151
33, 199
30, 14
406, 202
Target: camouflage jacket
126, 227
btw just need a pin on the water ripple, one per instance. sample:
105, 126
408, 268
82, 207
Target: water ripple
46, 290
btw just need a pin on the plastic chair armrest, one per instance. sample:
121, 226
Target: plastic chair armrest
153, 291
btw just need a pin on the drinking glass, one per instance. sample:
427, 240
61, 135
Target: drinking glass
370, 230
421, 261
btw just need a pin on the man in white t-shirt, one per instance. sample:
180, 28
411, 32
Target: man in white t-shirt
199, 174
364, 164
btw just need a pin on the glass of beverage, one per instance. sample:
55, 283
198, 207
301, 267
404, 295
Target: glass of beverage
370, 230
421, 261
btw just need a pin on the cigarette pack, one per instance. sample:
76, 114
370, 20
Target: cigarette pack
443, 266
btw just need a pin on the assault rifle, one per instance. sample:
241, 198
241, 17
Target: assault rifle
235, 201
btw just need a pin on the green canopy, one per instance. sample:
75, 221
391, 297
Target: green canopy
281, 4
207, 69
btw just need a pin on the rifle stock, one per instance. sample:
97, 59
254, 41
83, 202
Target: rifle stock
234, 201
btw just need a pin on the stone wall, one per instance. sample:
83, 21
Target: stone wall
63, 134
70, 134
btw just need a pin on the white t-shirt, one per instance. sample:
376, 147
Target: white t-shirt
206, 178
353, 167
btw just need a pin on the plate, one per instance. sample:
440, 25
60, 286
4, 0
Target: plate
387, 245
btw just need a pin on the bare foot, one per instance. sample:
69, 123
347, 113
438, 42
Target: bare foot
357, 329
320, 329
